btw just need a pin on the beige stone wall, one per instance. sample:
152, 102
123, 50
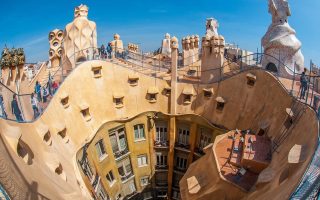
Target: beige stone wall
245, 107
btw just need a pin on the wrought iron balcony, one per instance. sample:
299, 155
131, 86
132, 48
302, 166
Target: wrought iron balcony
126, 177
161, 144
182, 146
118, 154
161, 167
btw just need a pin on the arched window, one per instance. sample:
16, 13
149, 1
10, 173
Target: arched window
272, 67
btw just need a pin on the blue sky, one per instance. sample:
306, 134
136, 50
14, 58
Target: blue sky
27, 23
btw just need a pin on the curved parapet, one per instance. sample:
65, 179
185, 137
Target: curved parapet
92, 102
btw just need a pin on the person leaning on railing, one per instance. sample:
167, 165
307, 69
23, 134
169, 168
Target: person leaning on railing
304, 84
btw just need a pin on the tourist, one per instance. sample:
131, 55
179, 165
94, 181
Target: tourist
15, 108
45, 94
304, 84
102, 51
4, 114
34, 103
37, 90
55, 86
50, 84
109, 50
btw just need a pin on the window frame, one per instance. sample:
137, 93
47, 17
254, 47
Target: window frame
184, 135
162, 158
117, 135
141, 132
161, 133
140, 157
110, 175
102, 152
143, 182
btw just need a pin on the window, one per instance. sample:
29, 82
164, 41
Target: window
101, 149
96, 71
161, 160
142, 160
101, 193
220, 106
147, 195
175, 194
153, 97
181, 163
161, 193
118, 142
183, 137
133, 80
65, 101
132, 187
86, 168
118, 101
144, 181
187, 98
124, 169
161, 134
161, 178
167, 91
207, 92
110, 178
220, 103
139, 132
205, 139
176, 179
86, 114
118, 197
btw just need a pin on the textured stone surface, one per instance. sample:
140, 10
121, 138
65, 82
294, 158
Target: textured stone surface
165, 46
280, 41
81, 34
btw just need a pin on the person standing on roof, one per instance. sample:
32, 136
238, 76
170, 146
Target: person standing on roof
102, 51
50, 84
34, 103
109, 50
37, 90
304, 84
4, 114
15, 108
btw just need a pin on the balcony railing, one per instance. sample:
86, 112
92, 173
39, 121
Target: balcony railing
178, 169
161, 144
161, 183
159, 167
199, 151
119, 154
182, 146
126, 177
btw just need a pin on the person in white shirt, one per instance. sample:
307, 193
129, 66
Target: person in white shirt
34, 103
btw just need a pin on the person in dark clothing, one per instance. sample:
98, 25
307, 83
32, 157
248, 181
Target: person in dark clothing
102, 52
37, 90
304, 84
4, 114
50, 85
109, 50
15, 108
